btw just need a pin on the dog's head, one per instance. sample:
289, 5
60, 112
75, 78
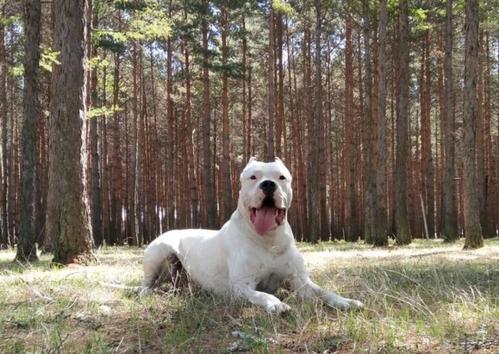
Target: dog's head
265, 194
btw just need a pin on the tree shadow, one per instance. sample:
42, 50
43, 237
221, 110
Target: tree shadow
14, 266
430, 280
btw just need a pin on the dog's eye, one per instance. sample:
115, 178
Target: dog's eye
282, 177
253, 177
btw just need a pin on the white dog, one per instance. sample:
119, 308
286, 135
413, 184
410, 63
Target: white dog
252, 255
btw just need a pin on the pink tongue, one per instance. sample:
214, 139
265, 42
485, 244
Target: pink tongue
264, 220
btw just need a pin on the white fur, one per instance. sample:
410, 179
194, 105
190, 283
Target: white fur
236, 259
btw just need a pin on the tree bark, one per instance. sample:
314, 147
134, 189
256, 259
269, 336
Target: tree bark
67, 214
480, 149
139, 155
449, 212
427, 169
170, 155
115, 202
439, 139
104, 159
244, 50
227, 182
132, 166
4, 231
26, 246
368, 130
403, 233
491, 181
380, 236
471, 207
271, 87
350, 204
190, 148
96, 210
305, 128
317, 116
280, 133
208, 181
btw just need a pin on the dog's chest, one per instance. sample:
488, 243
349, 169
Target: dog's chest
269, 266
270, 283
273, 273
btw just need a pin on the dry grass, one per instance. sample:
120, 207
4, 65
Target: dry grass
427, 297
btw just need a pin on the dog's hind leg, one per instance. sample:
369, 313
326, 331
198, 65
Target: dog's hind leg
157, 259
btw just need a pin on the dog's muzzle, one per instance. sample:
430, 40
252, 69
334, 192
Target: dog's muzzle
267, 216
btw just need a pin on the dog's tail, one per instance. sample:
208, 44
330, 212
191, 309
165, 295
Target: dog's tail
158, 259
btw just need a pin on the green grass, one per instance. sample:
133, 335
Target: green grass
426, 297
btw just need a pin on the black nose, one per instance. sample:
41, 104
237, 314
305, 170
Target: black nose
268, 187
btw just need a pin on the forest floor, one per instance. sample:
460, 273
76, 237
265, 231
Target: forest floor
427, 297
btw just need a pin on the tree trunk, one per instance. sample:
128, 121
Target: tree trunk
67, 214
317, 116
132, 166
471, 207
114, 126
449, 212
358, 149
170, 155
439, 137
280, 136
380, 236
96, 210
244, 50
26, 247
190, 148
226, 134
368, 130
13, 165
41, 172
393, 94
491, 181
104, 162
209, 185
401, 217
3, 130
249, 137
427, 169
350, 205
480, 149
139, 156
271, 88
305, 129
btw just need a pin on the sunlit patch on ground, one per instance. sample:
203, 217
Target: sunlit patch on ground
426, 297
328, 253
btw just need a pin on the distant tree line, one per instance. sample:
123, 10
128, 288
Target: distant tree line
121, 119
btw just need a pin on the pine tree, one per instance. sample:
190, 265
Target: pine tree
449, 184
380, 235
472, 228
403, 233
67, 216
26, 246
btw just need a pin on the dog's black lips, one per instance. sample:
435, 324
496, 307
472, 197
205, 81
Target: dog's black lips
268, 202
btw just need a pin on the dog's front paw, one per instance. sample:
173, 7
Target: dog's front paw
277, 308
344, 304
355, 304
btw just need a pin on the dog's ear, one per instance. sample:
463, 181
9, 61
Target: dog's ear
277, 159
251, 160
